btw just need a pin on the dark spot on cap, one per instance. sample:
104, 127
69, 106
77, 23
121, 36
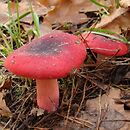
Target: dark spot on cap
50, 46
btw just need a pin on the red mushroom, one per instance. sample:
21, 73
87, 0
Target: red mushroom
50, 57
104, 45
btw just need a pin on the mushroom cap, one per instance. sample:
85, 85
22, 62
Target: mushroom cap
105, 46
52, 56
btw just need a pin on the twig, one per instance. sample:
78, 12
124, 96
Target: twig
102, 63
125, 120
72, 90
82, 99
6, 124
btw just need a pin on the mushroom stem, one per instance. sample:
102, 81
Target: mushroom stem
47, 94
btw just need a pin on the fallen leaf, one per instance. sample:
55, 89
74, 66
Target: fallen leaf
3, 12
4, 110
110, 116
23, 7
110, 110
119, 24
107, 19
5, 83
69, 11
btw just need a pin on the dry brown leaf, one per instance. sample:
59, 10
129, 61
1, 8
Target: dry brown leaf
68, 11
4, 15
107, 19
3, 12
122, 22
5, 83
24, 6
106, 102
117, 20
4, 110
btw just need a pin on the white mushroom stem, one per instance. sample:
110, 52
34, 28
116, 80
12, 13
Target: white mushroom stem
47, 94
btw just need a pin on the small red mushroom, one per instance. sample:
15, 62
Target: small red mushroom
45, 59
104, 45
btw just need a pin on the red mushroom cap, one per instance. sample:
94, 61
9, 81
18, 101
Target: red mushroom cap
51, 56
105, 46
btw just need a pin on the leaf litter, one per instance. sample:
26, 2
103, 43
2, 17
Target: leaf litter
88, 98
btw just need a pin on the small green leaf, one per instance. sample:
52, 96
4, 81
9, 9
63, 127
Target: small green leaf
98, 4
